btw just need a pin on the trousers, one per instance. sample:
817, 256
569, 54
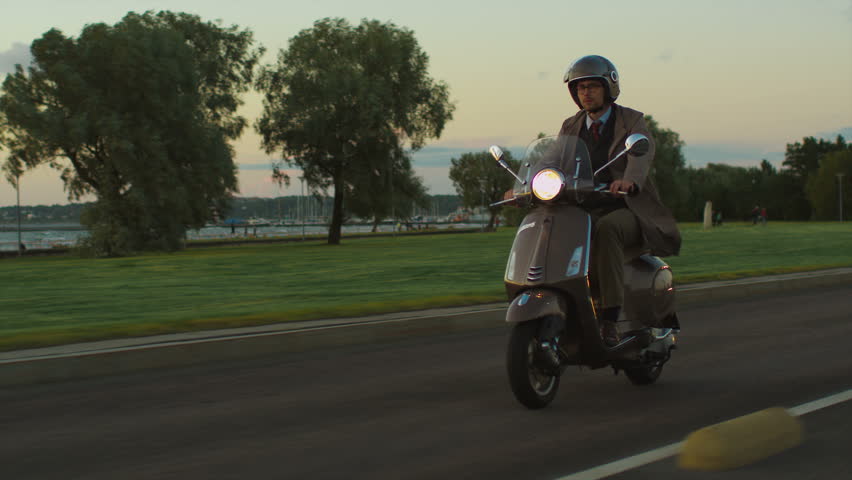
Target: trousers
612, 233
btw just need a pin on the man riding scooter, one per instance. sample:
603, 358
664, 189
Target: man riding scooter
638, 220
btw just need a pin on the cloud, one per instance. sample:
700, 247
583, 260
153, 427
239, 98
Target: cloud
440, 156
698, 156
255, 166
18, 54
846, 132
748, 156
666, 56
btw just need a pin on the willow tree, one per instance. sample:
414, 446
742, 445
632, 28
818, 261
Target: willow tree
479, 181
384, 186
342, 99
139, 114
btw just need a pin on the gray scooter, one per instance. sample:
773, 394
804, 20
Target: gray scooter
554, 304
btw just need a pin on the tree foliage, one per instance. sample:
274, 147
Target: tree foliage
138, 115
736, 190
479, 181
802, 162
824, 187
733, 190
342, 101
803, 158
224, 59
391, 190
668, 168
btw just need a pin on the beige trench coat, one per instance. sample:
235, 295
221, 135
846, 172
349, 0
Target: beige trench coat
659, 228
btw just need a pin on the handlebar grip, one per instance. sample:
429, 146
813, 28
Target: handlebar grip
604, 188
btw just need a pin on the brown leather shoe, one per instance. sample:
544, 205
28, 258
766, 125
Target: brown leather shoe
609, 333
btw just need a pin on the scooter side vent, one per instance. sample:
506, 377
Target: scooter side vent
535, 274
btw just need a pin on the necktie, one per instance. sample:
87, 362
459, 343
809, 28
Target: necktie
596, 130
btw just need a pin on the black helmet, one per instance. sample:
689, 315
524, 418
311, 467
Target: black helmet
592, 67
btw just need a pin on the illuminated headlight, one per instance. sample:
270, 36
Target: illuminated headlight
547, 184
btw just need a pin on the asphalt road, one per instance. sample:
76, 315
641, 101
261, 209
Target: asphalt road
439, 407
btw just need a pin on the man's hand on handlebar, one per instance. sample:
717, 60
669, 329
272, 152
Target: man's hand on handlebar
622, 187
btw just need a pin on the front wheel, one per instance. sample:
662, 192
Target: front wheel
531, 382
645, 374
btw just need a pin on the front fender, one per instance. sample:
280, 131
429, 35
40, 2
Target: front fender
536, 303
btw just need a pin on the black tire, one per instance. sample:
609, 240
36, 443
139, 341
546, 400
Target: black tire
532, 386
645, 374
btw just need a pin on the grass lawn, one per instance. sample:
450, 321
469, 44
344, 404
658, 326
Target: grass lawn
54, 300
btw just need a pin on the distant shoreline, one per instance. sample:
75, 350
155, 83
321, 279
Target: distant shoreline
44, 227
32, 227
56, 237
255, 240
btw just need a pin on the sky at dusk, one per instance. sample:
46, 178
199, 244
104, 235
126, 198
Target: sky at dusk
737, 79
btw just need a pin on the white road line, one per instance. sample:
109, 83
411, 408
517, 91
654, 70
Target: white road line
661, 453
809, 407
625, 464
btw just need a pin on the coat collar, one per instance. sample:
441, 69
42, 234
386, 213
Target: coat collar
575, 124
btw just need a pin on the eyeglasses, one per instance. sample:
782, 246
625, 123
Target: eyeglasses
588, 86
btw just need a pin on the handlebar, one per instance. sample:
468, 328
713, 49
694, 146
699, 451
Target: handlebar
604, 188
510, 200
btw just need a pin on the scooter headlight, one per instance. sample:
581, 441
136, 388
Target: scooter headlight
547, 184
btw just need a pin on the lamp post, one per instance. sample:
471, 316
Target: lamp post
18, 192
840, 195
390, 186
482, 182
302, 205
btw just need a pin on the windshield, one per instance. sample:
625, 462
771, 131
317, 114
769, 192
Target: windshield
566, 153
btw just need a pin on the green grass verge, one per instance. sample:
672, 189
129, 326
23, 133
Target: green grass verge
56, 300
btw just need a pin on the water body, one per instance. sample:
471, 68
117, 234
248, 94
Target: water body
39, 237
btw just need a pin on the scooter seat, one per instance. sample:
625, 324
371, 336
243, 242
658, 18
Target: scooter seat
632, 253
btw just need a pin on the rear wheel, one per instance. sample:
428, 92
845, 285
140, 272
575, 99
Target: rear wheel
533, 384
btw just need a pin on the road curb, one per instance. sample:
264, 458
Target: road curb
747, 287
740, 441
169, 351
94, 362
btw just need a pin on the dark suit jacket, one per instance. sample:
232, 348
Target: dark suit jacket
659, 228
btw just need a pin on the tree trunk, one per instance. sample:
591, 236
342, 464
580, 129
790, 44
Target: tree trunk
337, 214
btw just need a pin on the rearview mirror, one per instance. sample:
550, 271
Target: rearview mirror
497, 153
637, 144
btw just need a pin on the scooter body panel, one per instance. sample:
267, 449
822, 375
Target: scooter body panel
649, 293
551, 248
536, 303
547, 276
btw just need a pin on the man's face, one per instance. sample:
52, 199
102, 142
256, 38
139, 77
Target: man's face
591, 94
